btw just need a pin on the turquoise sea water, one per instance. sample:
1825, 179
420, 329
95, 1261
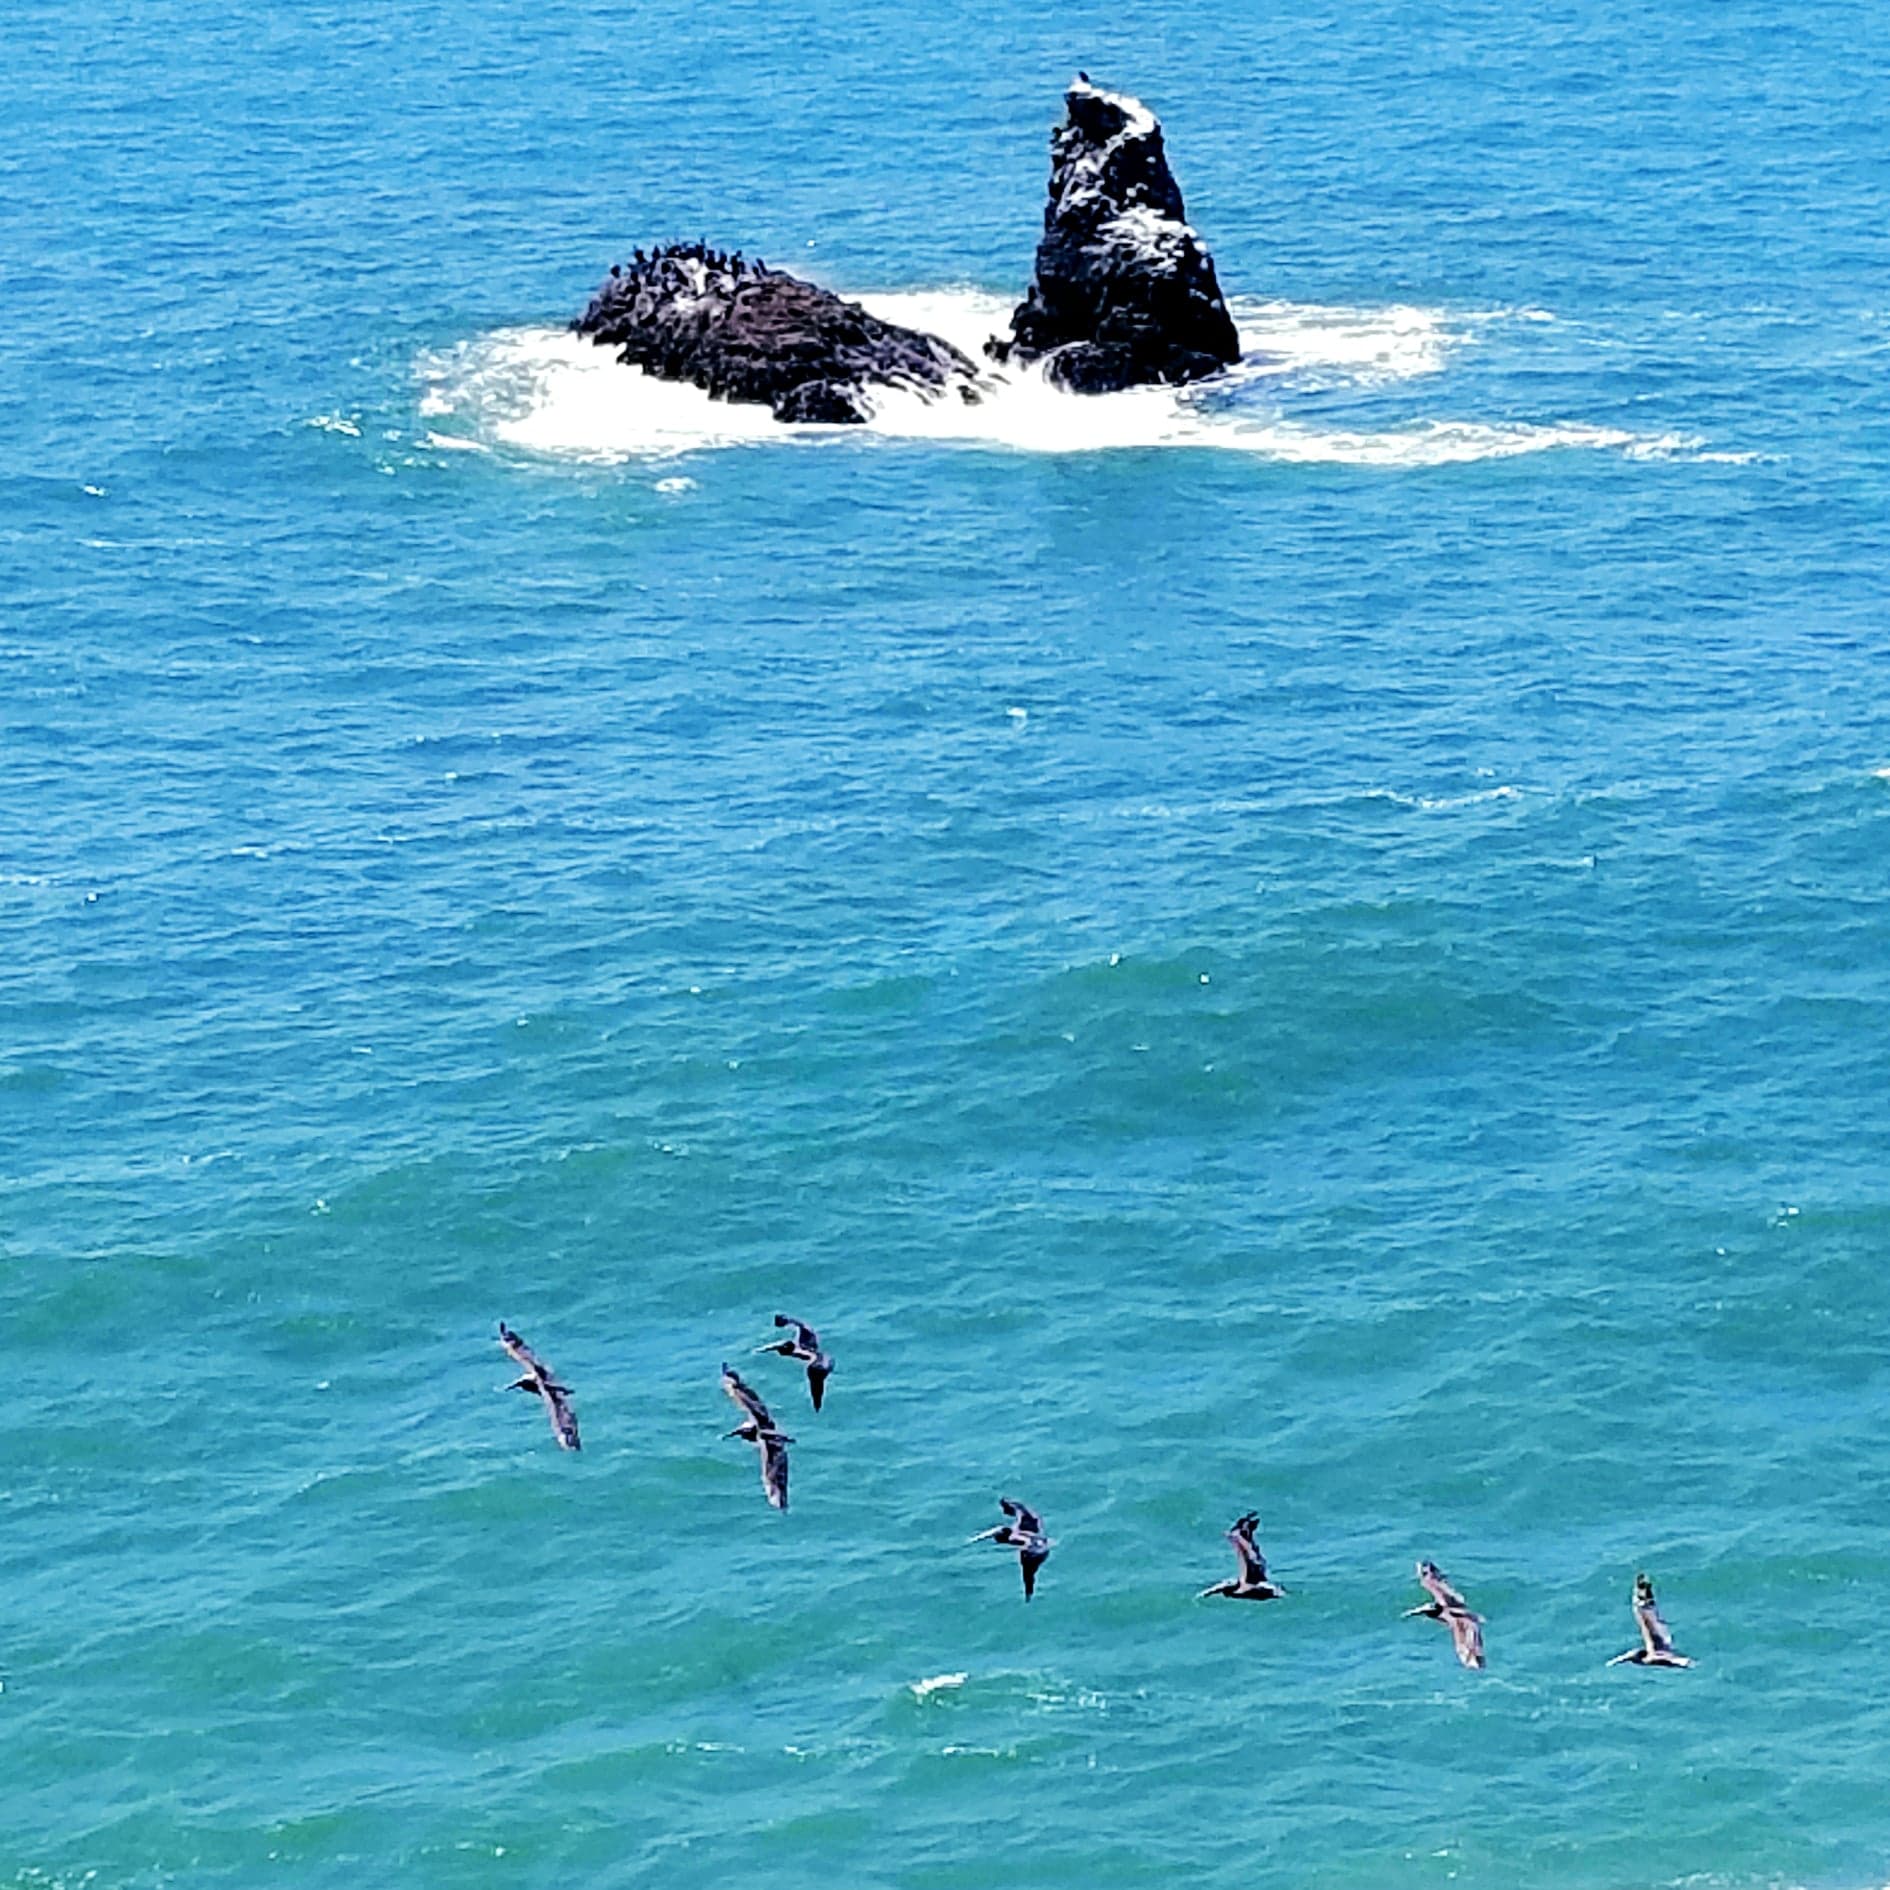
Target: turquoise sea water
1324, 948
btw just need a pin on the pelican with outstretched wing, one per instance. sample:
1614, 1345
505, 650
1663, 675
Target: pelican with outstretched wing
1024, 1533
1656, 1648
1449, 1607
805, 1349
759, 1428
1252, 1583
538, 1378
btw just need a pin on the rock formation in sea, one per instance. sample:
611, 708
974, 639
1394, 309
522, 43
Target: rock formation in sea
1124, 295
743, 331
1124, 292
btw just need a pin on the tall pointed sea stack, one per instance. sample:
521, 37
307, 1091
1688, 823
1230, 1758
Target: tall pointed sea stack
1125, 292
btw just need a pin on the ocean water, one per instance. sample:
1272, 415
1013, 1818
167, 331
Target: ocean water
1320, 945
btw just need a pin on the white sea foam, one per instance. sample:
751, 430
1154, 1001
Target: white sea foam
1339, 346
547, 391
1436, 803
937, 1683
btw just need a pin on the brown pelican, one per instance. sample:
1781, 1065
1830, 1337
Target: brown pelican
1449, 1607
1656, 1648
759, 1428
1024, 1533
804, 1349
1251, 1584
538, 1378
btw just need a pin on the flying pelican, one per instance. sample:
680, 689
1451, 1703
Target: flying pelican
1449, 1607
1251, 1584
804, 1349
1656, 1648
759, 1428
1024, 1533
538, 1378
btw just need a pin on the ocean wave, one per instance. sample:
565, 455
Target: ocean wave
937, 1683
548, 392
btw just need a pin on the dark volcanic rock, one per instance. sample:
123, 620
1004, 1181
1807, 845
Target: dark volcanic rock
743, 331
1125, 292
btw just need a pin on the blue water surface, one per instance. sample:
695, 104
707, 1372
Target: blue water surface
1216, 979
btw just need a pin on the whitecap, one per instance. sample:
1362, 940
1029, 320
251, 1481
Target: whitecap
1333, 344
1436, 803
937, 1683
546, 390
1426, 803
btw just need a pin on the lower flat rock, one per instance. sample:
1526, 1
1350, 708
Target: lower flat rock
744, 332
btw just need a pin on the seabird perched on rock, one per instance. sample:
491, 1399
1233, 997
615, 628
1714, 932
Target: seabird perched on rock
538, 1379
759, 1428
804, 1348
1251, 1584
1024, 1533
1656, 1648
1449, 1607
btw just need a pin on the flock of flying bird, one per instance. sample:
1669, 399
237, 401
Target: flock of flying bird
1022, 1528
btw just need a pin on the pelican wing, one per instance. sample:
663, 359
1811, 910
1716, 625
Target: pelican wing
1466, 1632
1030, 1558
1439, 1589
522, 1354
747, 1399
564, 1422
1654, 1633
804, 1335
774, 1470
1253, 1565
1025, 1517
